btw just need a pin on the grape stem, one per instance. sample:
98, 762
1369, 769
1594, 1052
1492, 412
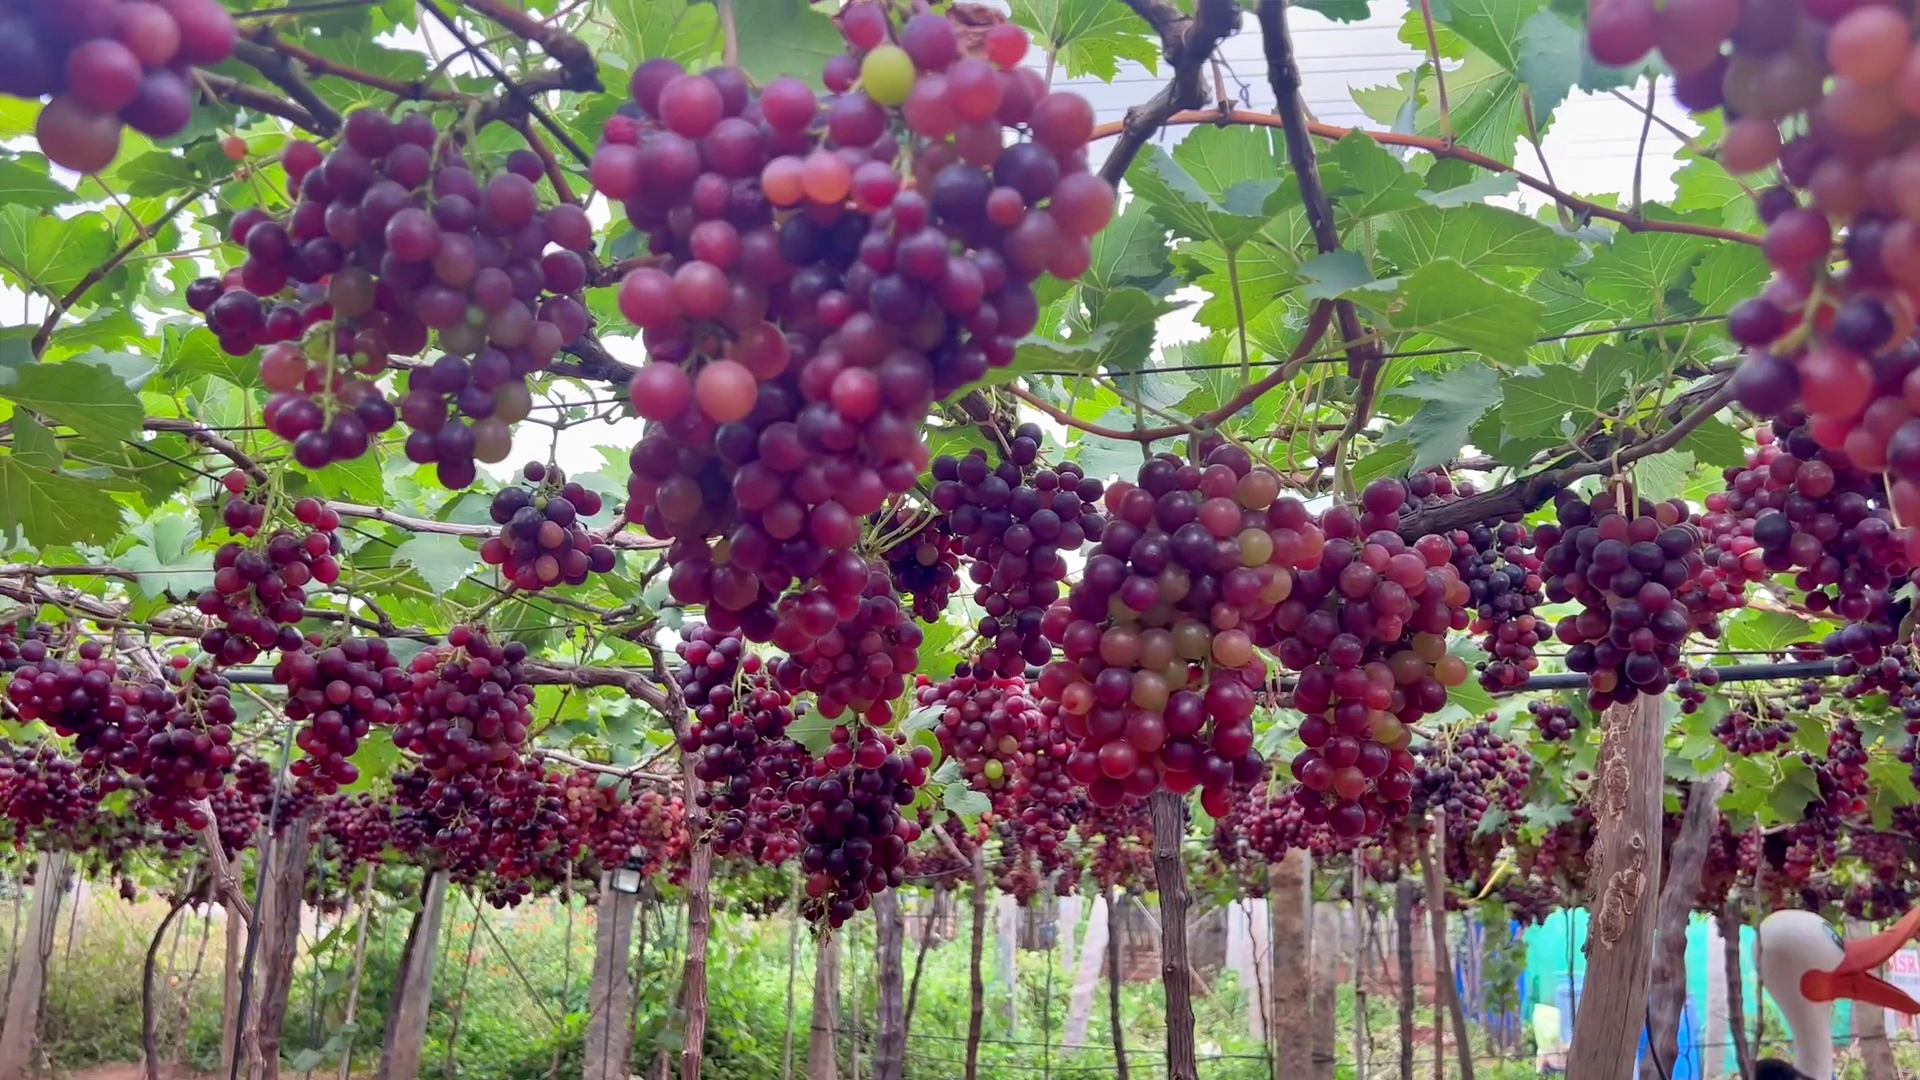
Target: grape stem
555, 175
580, 71
1188, 42
1439, 76
1440, 148
233, 92
1317, 323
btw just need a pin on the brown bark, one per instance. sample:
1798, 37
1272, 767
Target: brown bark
359, 969
1362, 920
976, 986
407, 1022
1325, 948
1290, 938
823, 1044
1403, 946
1442, 962
693, 982
793, 965
1625, 864
890, 1043
609, 1050
1115, 927
1736, 989
1176, 977
230, 983
277, 922
1667, 990
1870, 1024
22, 1030
460, 995
149, 1011
919, 967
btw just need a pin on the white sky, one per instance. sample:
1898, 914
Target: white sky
1590, 147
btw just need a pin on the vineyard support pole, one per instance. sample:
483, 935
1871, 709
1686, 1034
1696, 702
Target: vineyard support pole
407, 1022
1667, 994
823, 1061
1625, 860
1289, 909
976, 987
22, 1028
1116, 927
1445, 998
347, 1025
1730, 922
1403, 949
609, 1047
890, 1044
1176, 975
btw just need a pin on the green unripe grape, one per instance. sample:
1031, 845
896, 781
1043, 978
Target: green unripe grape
994, 770
887, 75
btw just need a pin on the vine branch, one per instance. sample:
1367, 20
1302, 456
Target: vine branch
100, 273
1188, 42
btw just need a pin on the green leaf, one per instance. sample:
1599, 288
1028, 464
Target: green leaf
1180, 202
1476, 237
1346, 11
1551, 52
1638, 269
1335, 274
1484, 104
89, 398
671, 29
195, 350
1491, 26
1727, 275
964, 802
34, 444
24, 182
376, 759
48, 507
1393, 459
166, 551
924, 718
1451, 402
1120, 340
1890, 787
1131, 250
1703, 184
1663, 476
441, 561
49, 253
1755, 630
1536, 402
1715, 443
1796, 788
1219, 158
813, 731
1369, 180
1088, 37
785, 37
1480, 187
1451, 302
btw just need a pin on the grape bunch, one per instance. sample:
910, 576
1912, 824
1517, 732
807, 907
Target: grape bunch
260, 588
1365, 626
1470, 772
1760, 728
1800, 509
859, 664
1045, 799
41, 789
186, 750
1553, 719
1635, 575
1014, 528
337, 694
466, 706
85, 697
1159, 678
746, 759
924, 565
395, 240
614, 825
1823, 91
988, 725
853, 825
806, 304
108, 63
542, 539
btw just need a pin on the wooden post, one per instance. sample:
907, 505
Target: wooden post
1176, 977
1403, 947
889, 939
1325, 948
236, 924
1442, 963
1362, 1038
822, 1046
22, 1030
1667, 992
1736, 988
693, 981
1625, 861
609, 1050
407, 1022
359, 967
976, 987
278, 924
793, 965
1289, 911
1116, 924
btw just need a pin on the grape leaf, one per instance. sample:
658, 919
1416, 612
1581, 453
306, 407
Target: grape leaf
440, 560
51, 254
1451, 302
1727, 275
1088, 37
1794, 790
1638, 268
89, 398
1475, 236
1663, 476
24, 182
1491, 26
1703, 184
1535, 403
814, 732
1755, 630
1335, 274
1450, 403
1218, 158
964, 802
1890, 787
785, 37
1131, 250
1551, 51
47, 506
1184, 206
1367, 180
672, 29
1715, 443
1393, 459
